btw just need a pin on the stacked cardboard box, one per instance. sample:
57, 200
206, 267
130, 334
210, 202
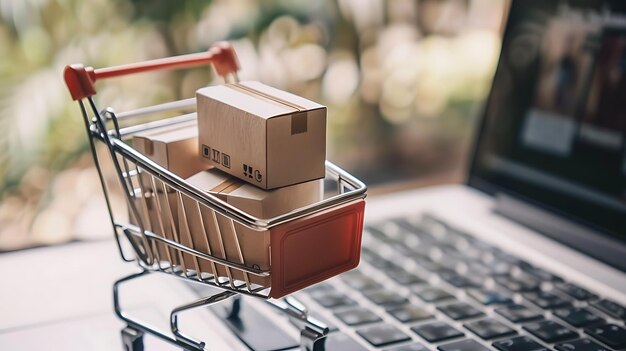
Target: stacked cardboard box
262, 135
256, 148
215, 234
175, 149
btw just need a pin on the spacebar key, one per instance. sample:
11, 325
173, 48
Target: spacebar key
255, 329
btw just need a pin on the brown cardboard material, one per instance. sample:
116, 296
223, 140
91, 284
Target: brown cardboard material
265, 136
175, 149
200, 227
149, 208
172, 147
214, 234
254, 201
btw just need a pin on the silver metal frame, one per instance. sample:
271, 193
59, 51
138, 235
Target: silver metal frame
104, 128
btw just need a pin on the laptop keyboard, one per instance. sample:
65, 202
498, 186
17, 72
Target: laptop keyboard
424, 285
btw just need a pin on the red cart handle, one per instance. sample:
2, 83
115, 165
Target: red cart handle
80, 80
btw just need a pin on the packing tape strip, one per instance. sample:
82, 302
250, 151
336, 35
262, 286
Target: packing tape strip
257, 93
299, 120
227, 186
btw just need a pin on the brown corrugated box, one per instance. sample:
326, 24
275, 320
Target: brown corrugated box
254, 201
254, 245
148, 207
265, 136
175, 149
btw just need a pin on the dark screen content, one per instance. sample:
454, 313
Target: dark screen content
576, 116
556, 121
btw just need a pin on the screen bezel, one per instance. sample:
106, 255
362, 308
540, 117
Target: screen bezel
528, 194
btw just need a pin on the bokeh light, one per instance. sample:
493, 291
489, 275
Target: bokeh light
403, 81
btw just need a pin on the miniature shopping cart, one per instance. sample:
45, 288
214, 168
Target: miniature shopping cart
307, 245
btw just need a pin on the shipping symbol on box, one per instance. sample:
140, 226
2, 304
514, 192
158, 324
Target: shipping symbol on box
216, 156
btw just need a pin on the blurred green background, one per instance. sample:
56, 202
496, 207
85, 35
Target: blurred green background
404, 81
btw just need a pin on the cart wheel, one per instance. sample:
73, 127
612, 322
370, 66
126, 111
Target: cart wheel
132, 339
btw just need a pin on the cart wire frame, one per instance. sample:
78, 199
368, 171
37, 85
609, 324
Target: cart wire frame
147, 246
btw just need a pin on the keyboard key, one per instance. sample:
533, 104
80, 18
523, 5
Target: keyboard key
427, 264
385, 297
507, 257
611, 308
540, 274
460, 310
431, 294
446, 258
550, 331
401, 248
357, 316
489, 328
418, 231
436, 331
332, 299
381, 335
411, 347
489, 297
578, 317
498, 267
454, 261
546, 300
575, 291
518, 343
403, 277
580, 345
472, 253
359, 281
421, 252
522, 284
343, 342
610, 334
461, 281
475, 268
375, 259
409, 313
463, 345
379, 233
518, 313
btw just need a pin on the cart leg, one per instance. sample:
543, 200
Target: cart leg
233, 314
311, 340
312, 332
194, 344
132, 339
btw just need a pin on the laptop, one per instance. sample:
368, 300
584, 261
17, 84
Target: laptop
529, 254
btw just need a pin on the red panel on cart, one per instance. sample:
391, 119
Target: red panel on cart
316, 247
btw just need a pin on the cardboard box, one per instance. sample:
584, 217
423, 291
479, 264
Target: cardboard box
149, 208
254, 201
265, 136
173, 148
217, 235
209, 232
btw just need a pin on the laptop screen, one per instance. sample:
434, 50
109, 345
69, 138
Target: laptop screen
554, 127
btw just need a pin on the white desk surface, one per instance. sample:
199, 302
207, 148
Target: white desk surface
60, 298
